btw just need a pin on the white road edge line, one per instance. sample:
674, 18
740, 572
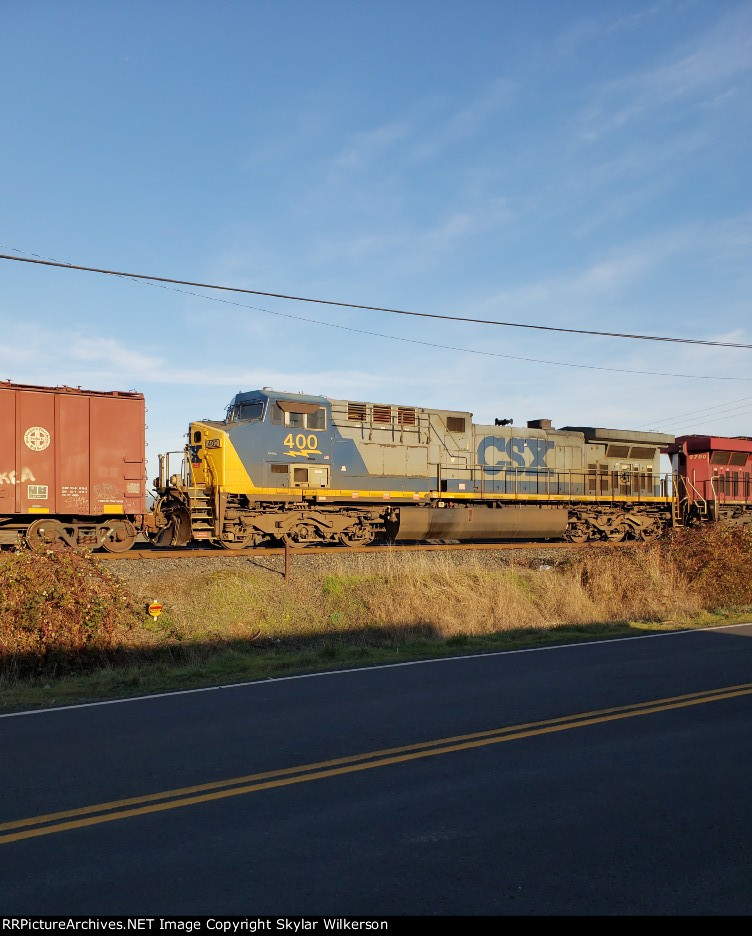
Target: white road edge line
360, 669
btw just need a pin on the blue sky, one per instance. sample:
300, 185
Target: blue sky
573, 164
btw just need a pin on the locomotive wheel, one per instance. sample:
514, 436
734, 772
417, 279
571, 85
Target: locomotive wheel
577, 534
119, 536
301, 534
616, 533
649, 532
356, 536
237, 545
45, 534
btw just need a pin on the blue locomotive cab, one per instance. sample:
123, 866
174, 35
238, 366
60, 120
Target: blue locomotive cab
282, 439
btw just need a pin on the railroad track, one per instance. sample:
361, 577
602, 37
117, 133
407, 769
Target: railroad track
188, 552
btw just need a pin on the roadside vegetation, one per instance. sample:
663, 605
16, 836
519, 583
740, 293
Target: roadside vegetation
74, 628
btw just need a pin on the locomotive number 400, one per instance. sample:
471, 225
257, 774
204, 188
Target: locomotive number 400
301, 441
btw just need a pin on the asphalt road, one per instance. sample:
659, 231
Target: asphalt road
608, 778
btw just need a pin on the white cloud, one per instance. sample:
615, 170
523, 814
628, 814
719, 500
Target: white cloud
465, 123
370, 146
696, 71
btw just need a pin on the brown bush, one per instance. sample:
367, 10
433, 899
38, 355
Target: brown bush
716, 560
59, 611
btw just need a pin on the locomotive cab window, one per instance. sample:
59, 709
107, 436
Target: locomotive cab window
248, 412
296, 415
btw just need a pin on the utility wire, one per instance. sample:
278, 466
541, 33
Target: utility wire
352, 305
146, 281
721, 407
686, 426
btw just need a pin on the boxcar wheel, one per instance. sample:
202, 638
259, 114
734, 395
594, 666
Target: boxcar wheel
119, 536
45, 534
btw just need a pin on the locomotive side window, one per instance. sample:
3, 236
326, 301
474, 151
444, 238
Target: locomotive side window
299, 415
455, 423
317, 419
738, 458
719, 458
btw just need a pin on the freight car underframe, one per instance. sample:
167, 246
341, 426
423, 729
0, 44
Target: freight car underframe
114, 533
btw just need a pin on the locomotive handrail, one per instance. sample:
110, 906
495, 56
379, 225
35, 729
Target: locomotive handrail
570, 482
441, 439
164, 469
703, 504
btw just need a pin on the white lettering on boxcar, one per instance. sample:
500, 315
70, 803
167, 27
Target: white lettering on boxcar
9, 477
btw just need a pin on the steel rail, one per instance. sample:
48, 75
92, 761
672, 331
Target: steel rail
188, 552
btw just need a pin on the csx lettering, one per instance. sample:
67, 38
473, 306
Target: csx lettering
497, 452
9, 477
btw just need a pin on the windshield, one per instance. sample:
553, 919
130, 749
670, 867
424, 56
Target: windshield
247, 411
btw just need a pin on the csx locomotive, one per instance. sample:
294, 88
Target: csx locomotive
300, 469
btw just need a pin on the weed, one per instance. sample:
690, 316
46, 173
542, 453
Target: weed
62, 614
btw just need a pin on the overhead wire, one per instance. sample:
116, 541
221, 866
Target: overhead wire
162, 282
721, 407
370, 308
683, 429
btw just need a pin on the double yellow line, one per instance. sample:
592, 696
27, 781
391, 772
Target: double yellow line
253, 783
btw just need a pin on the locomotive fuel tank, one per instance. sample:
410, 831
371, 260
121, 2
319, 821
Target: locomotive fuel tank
483, 522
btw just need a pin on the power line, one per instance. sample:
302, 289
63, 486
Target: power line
682, 430
368, 308
427, 344
718, 406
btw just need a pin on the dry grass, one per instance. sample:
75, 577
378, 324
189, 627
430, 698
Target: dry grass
64, 610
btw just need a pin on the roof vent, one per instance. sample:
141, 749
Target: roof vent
539, 424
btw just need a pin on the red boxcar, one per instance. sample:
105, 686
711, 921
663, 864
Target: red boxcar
72, 466
714, 477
